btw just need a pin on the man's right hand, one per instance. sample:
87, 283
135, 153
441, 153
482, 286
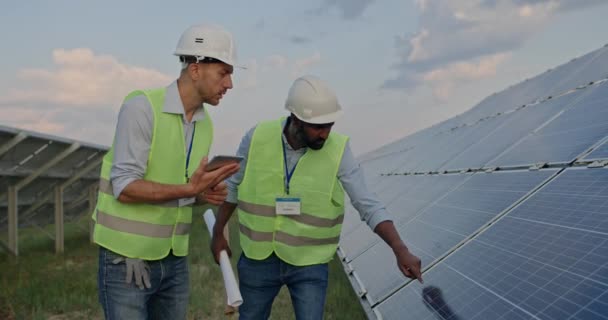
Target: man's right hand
219, 243
202, 180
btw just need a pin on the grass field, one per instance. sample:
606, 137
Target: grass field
41, 285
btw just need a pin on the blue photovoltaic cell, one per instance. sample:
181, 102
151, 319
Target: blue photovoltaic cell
581, 71
592, 67
522, 123
567, 136
578, 198
441, 226
523, 264
407, 195
358, 231
450, 144
548, 256
601, 153
483, 281
447, 295
386, 191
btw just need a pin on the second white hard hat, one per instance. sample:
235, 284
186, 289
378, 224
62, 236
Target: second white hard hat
312, 101
207, 41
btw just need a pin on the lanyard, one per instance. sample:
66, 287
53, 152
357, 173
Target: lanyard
288, 174
190, 151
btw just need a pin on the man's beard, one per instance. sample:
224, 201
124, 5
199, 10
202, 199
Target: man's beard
312, 144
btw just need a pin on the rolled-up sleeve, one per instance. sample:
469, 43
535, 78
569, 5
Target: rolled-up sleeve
235, 180
131, 143
370, 208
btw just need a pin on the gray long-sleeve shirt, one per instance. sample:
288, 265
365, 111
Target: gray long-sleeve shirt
350, 174
133, 136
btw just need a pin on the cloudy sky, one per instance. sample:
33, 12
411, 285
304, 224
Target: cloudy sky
397, 65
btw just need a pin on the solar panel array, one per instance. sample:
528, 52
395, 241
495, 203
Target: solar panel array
506, 205
34, 166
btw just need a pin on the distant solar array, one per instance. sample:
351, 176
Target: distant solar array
44, 179
506, 205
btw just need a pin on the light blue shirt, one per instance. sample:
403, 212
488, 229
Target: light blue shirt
350, 175
133, 136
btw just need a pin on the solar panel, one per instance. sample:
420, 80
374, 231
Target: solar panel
407, 195
591, 67
578, 72
453, 143
567, 136
600, 153
547, 258
447, 294
392, 157
508, 241
522, 123
33, 166
434, 231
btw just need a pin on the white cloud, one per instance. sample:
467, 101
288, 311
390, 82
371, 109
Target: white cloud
443, 79
301, 65
459, 41
251, 75
77, 97
418, 51
80, 78
30, 119
461, 29
350, 9
422, 4
276, 61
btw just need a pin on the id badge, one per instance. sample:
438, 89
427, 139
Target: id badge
288, 206
185, 201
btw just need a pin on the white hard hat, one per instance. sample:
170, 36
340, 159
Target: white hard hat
207, 41
312, 101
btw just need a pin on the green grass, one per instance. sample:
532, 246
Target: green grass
42, 285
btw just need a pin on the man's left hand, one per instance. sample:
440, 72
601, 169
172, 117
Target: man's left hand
215, 195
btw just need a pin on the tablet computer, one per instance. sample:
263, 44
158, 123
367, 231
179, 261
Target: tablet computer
222, 160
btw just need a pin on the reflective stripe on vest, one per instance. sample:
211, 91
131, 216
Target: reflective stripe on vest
305, 218
141, 228
286, 238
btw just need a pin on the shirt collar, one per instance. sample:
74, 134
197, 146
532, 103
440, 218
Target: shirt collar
285, 142
173, 103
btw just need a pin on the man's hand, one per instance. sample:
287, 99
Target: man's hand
202, 180
215, 195
219, 243
408, 263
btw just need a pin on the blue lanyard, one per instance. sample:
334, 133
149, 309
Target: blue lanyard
288, 174
190, 151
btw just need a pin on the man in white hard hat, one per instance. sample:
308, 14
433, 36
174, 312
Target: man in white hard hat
151, 177
290, 198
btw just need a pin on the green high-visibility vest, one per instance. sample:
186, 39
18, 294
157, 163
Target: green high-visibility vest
150, 231
309, 238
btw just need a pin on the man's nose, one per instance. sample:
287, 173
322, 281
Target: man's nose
229, 83
324, 133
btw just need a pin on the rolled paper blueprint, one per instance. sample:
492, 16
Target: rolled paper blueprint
233, 293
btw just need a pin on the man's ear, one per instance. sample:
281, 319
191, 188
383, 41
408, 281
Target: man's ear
194, 70
295, 120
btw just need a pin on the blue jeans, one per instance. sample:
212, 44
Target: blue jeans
261, 280
166, 299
